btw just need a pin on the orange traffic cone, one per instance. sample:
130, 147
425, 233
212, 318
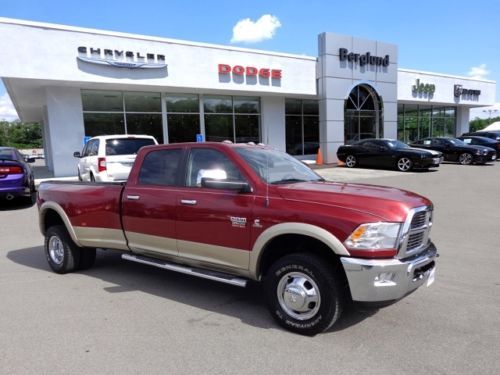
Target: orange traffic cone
319, 157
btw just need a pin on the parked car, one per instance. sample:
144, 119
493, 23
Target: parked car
16, 176
109, 158
482, 141
454, 149
493, 134
388, 153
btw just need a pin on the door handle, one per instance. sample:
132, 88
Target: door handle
133, 197
188, 202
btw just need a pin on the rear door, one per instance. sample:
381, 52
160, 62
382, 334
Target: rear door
149, 203
213, 225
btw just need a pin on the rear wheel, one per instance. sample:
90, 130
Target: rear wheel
465, 158
404, 164
92, 178
303, 294
350, 161
62, 254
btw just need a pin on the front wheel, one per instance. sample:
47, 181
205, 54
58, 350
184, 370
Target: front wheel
62, 254
465, 158
350, 161
303, 294
404, 164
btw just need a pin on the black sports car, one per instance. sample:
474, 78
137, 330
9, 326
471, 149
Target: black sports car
454, 149
493, 134
481, 141
388, 153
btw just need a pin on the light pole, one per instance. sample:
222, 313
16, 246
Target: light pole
490, 111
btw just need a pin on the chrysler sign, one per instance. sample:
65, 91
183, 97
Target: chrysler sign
121, 58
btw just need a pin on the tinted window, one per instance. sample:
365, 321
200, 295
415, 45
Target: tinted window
126, 146
210, 164
7, 154
160, 167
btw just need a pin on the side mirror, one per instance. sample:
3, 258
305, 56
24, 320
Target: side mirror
239, 186
77, 154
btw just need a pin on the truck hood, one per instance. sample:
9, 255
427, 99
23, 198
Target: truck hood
386, 203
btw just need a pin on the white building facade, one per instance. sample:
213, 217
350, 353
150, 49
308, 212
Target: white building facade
82, 82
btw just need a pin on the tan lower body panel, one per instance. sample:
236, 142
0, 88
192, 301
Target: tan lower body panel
222, 256
145, 244
101, 237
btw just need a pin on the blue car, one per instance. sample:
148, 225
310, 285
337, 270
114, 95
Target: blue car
16, 175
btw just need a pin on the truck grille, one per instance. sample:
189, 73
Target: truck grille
415, 233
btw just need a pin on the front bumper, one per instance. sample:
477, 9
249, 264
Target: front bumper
482, 159
384, 280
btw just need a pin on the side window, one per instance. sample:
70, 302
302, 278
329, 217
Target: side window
210, 164
160, 167
85, 149
92, 148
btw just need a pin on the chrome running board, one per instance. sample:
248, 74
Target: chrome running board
198, 272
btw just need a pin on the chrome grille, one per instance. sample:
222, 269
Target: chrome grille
415, 232
419, 220
414, 241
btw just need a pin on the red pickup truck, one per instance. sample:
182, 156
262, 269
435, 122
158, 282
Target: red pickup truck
238, 212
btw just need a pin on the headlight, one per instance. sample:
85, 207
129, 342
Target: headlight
374, 236
478, 152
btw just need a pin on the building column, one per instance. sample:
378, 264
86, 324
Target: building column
273, 121
463, 114
65, 128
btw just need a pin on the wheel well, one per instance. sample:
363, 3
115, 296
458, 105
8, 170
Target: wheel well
51, 218
287, 244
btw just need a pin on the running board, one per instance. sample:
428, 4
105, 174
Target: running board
198, 272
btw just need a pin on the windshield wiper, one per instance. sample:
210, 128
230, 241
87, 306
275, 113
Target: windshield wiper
288, 181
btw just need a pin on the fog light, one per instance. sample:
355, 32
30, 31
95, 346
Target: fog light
385, 279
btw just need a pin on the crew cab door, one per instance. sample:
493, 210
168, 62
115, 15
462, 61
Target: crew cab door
213, 224
149, 203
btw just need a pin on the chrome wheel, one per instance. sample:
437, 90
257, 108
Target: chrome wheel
56, 250
350, 161
465, 159
298, 295
404, 164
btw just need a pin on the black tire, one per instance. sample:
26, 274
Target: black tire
351, 161
31, 198
297, 275
92, 178
465, 158
79, 176
62, 254
87, 258
404, 164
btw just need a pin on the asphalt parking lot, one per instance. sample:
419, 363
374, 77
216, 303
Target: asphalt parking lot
125, 318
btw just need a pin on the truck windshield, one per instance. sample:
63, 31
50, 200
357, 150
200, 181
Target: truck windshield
276, 167
126, 146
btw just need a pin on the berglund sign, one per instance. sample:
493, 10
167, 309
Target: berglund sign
363, 59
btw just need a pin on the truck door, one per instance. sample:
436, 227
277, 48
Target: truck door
213, 225
149, 203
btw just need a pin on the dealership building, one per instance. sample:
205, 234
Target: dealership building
83, 82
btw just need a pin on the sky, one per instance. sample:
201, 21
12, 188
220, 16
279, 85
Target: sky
452, 37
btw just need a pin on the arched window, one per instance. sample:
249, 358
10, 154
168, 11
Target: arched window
363, 114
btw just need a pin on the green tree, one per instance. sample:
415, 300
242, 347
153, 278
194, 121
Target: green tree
481, 123
20, 135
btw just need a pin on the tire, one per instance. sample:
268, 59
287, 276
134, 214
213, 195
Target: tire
87, 258
294, 280
92, 178
31, 198
404, 164
62, 254
79, 176
465, 158
351, 161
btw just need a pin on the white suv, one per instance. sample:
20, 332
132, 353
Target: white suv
109, 158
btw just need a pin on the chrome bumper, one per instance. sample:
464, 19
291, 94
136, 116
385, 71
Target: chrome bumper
378, 280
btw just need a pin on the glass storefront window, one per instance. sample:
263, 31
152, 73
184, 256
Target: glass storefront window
421, 121
150, 124
182, 103
363, 114
103, 124
218, 104
102, 101
301, 126
246, 104
247, 128
183, 127
219, 128
142, 102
